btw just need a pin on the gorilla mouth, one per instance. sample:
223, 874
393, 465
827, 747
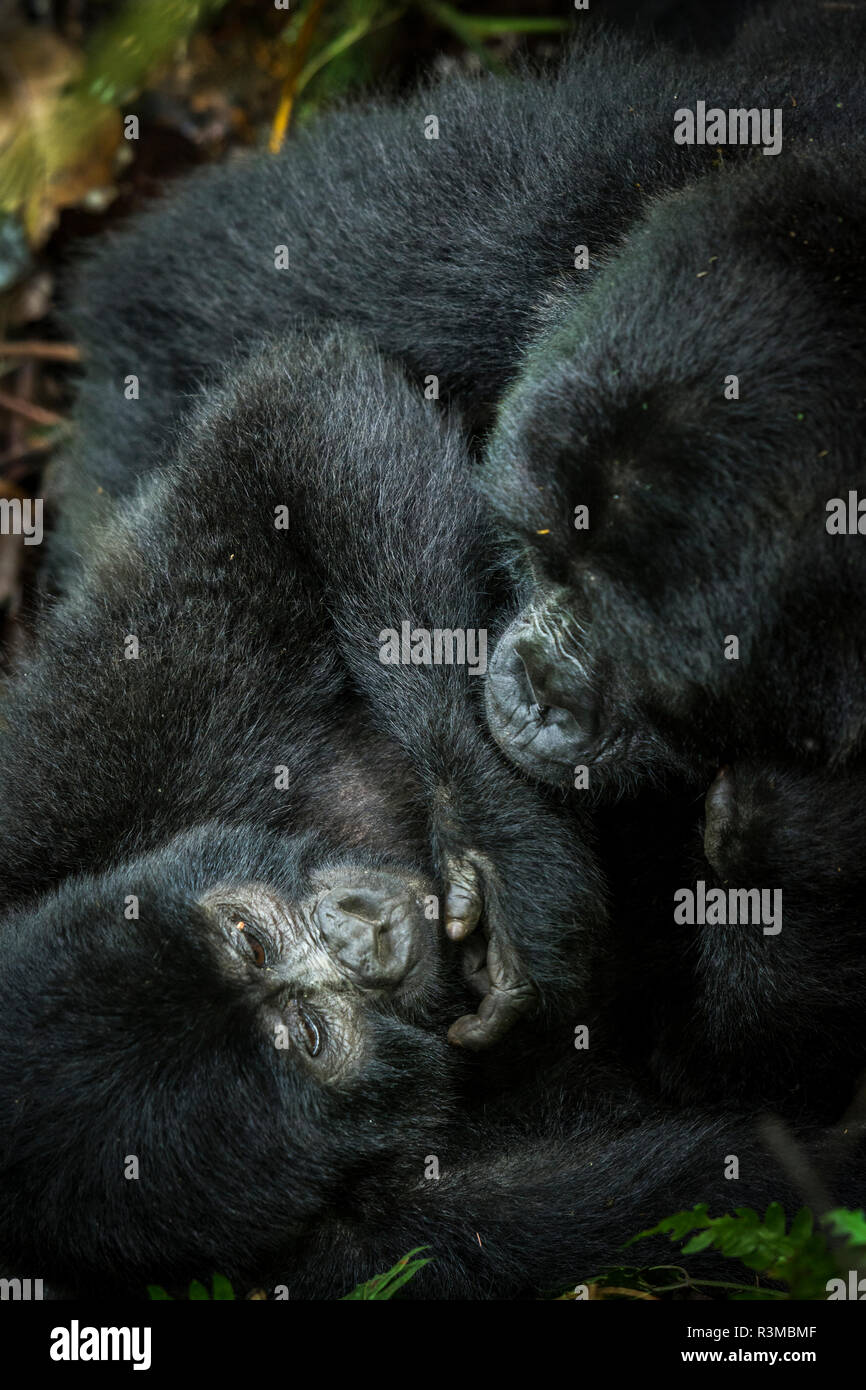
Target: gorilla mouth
546, 751
543, 707
544, 740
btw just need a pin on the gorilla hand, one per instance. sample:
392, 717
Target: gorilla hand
492, 965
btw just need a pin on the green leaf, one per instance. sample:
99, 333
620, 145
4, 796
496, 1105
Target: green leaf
342, 43
222, 1289
461, 26
157, 1293
129, 45
678, 1226
492, 27
386, 1285
756, 1295
198, 1293
699, 1242
843, 1222
775, 1220
802, 1225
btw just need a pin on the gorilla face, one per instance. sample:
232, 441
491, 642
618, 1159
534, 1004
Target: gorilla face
197, 1046
682, 574
358, 935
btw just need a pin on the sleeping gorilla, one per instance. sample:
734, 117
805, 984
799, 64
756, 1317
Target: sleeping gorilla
680, 479
708, 523
246, 823
706, 513
258, 667
193, 282
282, 994
286, 1141
486, 228
222, 1001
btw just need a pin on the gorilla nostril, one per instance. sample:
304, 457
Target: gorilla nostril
383, 944
540, 701
526, 675
365, 907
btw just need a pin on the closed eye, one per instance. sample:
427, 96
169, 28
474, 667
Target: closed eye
304, 1027
254, 948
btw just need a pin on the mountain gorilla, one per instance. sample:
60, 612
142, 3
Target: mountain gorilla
709, 614
487, 229
704, 401
258, 693
223, 998
225, 821
617, 374
181, 1097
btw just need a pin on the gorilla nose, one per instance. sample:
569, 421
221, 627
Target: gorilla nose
535, 708
372, 928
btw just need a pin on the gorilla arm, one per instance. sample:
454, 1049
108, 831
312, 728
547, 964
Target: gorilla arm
527, 1215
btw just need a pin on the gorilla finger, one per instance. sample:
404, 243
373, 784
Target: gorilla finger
464, 901
496, 1016
506, 969
473, 963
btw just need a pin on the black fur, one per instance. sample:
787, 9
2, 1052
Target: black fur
445, 250
707, 516
154, 1036
142, 1039
155, 777
766, 1018
260, 649
707, 519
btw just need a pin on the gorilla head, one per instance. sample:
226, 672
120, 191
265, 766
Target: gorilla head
187, 1089
665, 460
